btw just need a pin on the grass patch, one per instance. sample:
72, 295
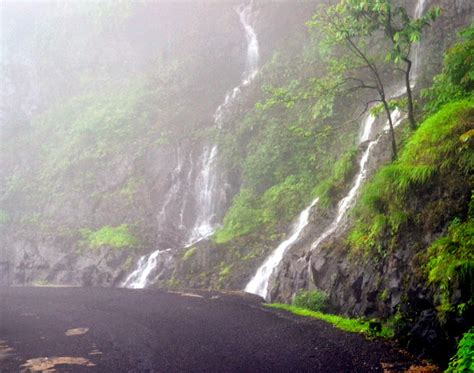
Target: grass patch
311, 300
189, 253
451, 262
116, 237
340, 322
438, 145
463, 361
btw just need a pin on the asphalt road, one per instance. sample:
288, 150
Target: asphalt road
121, 330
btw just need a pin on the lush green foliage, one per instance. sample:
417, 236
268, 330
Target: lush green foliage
189, 253
311, 300
242, 218
340, 322
329, 189
283, 148
463, 361
116, 237
435, 146
457, 78
4, 217
451, 262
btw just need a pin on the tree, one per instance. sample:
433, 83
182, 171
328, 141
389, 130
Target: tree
401, 30
350, 26
358, 70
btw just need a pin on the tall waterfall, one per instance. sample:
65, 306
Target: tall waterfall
259, 283
419, 10
206, 182
348, 201
205, 188
205, 191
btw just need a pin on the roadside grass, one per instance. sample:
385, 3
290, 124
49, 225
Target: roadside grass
344, 323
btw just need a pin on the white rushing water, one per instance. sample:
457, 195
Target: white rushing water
419, 10
259, 283
251, 67
138, 279
348, 201
251, 62
206, 186
206, 190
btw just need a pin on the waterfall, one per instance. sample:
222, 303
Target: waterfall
348, 201
138, 279
251, 63
259, 283
206, 188
419, 10
251, 67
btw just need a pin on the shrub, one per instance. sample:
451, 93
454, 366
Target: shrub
463, 361
116, 237
457, 79
243, 217
312, 300
189, 253
452, 261
438, 145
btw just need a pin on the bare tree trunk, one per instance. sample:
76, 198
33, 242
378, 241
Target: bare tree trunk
411, 114
392, 132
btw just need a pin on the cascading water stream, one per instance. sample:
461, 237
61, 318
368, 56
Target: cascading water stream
206, 189
419, 10
205, 186
259, 283
138, 279
206, 182
348, 201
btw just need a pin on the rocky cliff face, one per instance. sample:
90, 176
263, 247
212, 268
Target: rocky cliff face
153, 187
145, 186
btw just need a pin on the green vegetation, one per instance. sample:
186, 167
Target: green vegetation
348, 28
340, 322
189, 253
275, 208
457, 78
330, 189
434, 147
451, 262
4, 217
283, 147
311, 300
463, 361
116, 237
439, 153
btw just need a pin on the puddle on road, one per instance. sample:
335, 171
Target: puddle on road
95, 352
185, 294
47, 364
191, 295
76, 331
